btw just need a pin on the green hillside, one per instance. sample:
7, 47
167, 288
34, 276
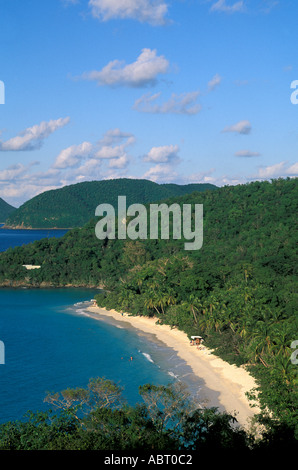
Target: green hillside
5, 210
74, 205
239, 291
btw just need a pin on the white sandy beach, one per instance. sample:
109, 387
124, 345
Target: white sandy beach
230, 382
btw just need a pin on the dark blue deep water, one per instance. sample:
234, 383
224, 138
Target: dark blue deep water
52, 343
18, 237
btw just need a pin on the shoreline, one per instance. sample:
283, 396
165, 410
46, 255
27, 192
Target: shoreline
228, 383
20, 227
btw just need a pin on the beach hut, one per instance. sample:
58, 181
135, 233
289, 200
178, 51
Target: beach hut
196, 340
31, 266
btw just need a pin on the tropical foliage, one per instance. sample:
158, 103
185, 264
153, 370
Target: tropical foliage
5, 210
238, 291
97, 418
74, 205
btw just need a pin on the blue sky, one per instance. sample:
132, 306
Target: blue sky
183, 91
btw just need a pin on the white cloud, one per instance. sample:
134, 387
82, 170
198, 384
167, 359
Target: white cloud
107, 152
184, 103
114, 136
246, 153
142, 72
119, 162
293, 170
116, 154
72, 156
211, 178
145, 11
84, 162
32, 137
200, 177
241, 127
278, 170
20, 174
83, 158
161, 173
18, 183
89, 166
12, 172
91, 169
243, 6
17, 195
214, 82
221, 5
110, 151
166, 158
163, 154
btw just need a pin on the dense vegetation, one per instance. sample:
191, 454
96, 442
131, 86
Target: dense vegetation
238, 291
74, 205
97, 418
5, 210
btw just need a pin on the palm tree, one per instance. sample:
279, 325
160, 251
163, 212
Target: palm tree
282, 340
283, 365
161, 301
212, 303
170, 297
150, 301
193, 304
261, 342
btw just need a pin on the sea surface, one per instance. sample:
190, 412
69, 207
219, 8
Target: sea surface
18, 237
51, 342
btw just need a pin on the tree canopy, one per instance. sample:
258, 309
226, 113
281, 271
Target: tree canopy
238, 291
5, 210
165, 419
74, 205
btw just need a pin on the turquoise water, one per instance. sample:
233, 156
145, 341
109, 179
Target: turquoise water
52, 343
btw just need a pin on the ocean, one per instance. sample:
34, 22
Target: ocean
18, 237
51, 342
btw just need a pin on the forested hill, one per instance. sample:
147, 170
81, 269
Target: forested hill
239, 291
5, 210
74, 205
